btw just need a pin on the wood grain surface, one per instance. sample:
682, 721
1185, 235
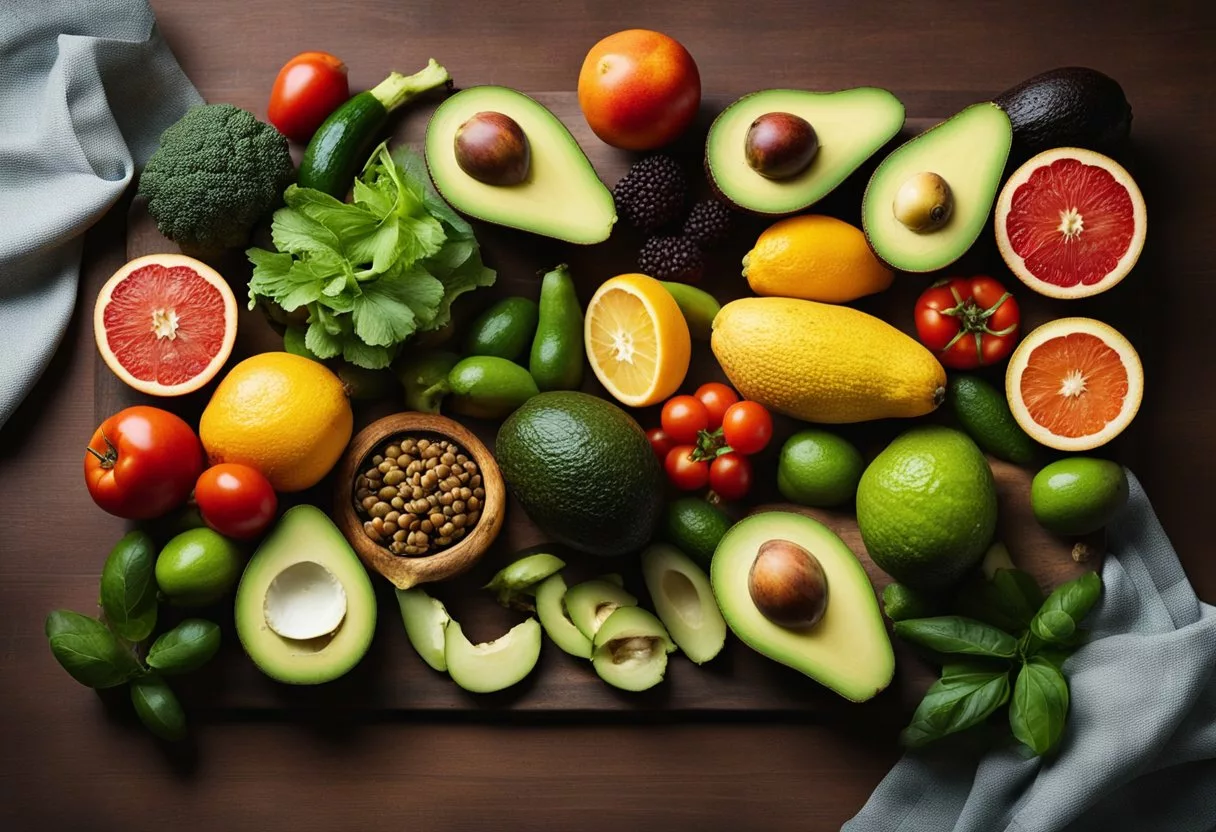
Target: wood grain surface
77, 761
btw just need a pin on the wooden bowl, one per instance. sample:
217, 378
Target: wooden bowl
402, 570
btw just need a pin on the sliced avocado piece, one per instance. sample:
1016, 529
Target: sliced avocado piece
685, 602
426, 620
515, 581
967, 151
494, 665
848, 649
588, 604
630, 649
550, 607
851, 125
303, 579
560, 196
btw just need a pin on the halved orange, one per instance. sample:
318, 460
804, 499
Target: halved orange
637, 340
1074, 384
165, 324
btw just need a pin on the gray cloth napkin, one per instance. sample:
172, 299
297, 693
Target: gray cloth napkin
86, 89
1139, 752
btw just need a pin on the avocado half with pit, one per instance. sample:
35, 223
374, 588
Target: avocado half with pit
776, 152
497, 155
305, 609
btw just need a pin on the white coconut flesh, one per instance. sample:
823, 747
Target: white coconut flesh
305, 601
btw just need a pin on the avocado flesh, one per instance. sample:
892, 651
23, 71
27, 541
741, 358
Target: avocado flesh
630, 650
494, 665
304, 533
561, 196
684, 601
851, 125
426, 620
590, 603
848, 650
968, 151
550, 608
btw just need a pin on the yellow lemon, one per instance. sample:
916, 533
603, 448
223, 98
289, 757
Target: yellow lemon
285, 415
814, 257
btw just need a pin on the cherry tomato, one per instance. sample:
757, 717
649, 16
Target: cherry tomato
684, 472
968, 322
717, 398
142, 462
730, 476
310, 86
683, 418
235, 500
660, 442
747, 427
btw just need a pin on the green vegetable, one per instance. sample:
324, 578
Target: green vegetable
518, 579
1040, 705
1057, 620
698, 307
955, 703
424, 376
158, 708
955, 634
373, 272
504, 330
218, 171
293, 342
556, 362
485, 387
88, 651
186, 647
128, 587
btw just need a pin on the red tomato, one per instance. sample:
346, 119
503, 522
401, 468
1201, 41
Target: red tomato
717, 398
660, 443
747, 427
684, 472
684, 417
968, 322
310, 86
142, 462
235, 500
730, 476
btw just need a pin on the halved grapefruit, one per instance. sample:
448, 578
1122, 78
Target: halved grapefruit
1074, 384
1070, 223
165, 324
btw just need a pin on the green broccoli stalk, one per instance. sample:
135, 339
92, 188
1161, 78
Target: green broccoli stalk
397, 90
218, 171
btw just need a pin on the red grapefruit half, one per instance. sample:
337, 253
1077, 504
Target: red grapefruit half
1074, 384
165, 324
1070, 223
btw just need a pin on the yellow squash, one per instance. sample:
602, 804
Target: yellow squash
814, 257
824, 363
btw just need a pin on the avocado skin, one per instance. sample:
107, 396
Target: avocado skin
1067, 107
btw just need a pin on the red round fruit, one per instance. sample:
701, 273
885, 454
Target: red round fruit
968, 322
747, 427
684, 472
684, 417
717, 398
730, 476
639, 89
309, 87
142, 462
660, 443
235, 500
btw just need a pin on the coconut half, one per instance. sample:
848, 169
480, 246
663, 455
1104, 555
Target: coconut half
305, 601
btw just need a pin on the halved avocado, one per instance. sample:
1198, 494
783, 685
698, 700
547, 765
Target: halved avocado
684, 601
426, 620
968, 151
631, 649
590, 603
494, 665
561, 195
550, 608
851, 125
848, 649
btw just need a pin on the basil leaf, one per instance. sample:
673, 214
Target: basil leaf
128, 587
88, 651
1018, 594
186, 647
158, 708
1073, 601
1053, 626
1040, 705
956, 634
955, 703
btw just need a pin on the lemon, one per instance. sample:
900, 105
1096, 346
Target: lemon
637, 340
284, 415
814, 257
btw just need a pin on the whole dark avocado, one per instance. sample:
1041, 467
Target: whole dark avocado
1067, 107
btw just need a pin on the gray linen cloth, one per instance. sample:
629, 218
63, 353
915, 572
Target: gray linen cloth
86, 89
1139, 752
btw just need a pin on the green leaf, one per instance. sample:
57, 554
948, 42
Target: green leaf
1055, 656
956, 634
295, 232
471, 274
368, 357
390, 307
414, 168
1073, 601
89, 651
1017, 593
128, 587
1040, 705
188, 646
158, 708
270, 272
322, 343
1054, 626
956, 703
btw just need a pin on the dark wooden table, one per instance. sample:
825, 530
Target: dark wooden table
66, 765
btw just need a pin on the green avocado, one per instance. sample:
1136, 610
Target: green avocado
561, 195
488, 387
1068, 107
551, 609
630, 649
493, 665
685, 603
504, 330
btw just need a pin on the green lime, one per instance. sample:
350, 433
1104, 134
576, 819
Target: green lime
198, 567
694, 527
1079, 495
818, 468
984, 413
901, 602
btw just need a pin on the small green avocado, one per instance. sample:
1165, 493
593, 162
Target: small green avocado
1079, 495
1067, 107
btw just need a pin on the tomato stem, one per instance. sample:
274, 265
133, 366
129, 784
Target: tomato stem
107, 459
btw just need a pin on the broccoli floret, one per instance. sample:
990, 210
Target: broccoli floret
218, 171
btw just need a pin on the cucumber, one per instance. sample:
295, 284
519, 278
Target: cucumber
340, 146
984, 413
556, 362
504, 330
488, 387
699, 308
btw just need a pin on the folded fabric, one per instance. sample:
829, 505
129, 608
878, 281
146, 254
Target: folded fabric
86, 88
1139, 751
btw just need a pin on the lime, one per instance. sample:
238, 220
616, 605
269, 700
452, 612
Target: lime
198, 567
984, 413
694, 527
901, 602
1079, 495
818, 468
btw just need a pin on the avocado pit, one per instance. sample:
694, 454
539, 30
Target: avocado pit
788, 585
780, 145
305, 601
492, 148
924, 202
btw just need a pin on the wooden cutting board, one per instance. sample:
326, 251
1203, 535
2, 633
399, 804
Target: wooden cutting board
393, 678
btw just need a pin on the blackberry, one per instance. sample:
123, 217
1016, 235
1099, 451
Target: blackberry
671, 258
651, 195
707, 223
